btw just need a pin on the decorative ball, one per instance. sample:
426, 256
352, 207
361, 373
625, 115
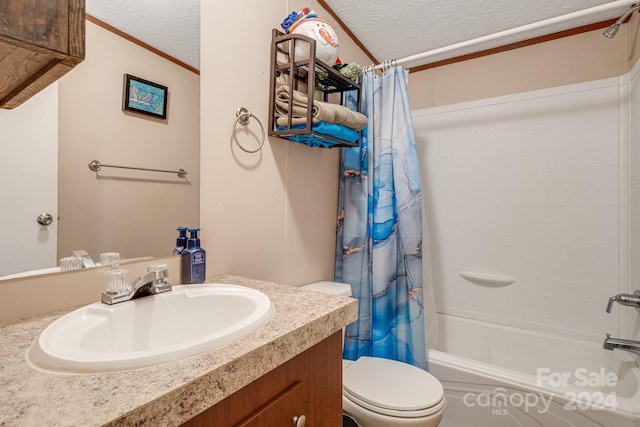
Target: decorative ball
325, 37
308, 23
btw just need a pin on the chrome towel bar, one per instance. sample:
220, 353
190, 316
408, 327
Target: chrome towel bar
95, 166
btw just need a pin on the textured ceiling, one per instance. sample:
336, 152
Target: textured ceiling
172, 26
397, 29
387, 29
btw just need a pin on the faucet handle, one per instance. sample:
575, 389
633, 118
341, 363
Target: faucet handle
110, 258
116, 281
630, 300
611, 301
157, 267
160, 283
161, 270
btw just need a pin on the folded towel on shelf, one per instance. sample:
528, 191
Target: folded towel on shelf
322, 111
323, 128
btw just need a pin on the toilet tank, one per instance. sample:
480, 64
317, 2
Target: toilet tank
333, 288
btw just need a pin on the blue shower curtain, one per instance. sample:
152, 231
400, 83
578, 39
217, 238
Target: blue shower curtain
379, 238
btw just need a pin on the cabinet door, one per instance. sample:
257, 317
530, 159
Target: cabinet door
279, 411
310, 384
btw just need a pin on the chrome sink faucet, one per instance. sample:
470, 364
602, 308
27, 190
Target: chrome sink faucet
87, 261
631, 300
154, 281
628, 345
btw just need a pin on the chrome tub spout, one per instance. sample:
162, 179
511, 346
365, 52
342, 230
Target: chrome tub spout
623, 344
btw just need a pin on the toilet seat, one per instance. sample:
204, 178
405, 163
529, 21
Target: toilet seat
392, 388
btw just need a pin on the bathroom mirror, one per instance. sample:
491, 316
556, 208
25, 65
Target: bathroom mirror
48, 142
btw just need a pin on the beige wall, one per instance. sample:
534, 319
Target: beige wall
134, 213
269, 215
579, 58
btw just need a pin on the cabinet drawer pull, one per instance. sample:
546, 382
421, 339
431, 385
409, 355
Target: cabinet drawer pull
299, 421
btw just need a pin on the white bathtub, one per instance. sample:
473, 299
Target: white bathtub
497, 376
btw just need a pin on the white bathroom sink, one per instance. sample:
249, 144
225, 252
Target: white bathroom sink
155, 329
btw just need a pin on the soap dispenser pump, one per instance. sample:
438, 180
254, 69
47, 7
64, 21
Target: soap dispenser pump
194, 260
181, 241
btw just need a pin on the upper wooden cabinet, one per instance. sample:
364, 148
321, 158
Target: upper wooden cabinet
40, 41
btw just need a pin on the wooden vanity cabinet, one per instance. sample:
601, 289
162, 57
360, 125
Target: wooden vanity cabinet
310, 384
40, 41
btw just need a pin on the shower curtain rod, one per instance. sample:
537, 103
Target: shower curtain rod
509, 32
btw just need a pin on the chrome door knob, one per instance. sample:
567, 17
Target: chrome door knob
299, 421
44, 219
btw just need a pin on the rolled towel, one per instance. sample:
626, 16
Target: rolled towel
322, 111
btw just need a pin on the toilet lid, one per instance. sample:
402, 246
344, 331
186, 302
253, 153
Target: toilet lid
391, 385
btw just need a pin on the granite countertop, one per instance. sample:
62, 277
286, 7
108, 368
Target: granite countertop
170, 393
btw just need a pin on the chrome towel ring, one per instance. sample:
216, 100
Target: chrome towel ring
243, 116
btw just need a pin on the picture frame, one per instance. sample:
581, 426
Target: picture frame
144, 97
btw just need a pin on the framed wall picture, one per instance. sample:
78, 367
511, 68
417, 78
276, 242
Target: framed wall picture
144, 97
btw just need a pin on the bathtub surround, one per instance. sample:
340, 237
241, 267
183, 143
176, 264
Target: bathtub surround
531, 186
629, 317
379, 239
542, 187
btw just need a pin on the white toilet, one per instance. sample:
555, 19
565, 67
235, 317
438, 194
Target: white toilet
380, 392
